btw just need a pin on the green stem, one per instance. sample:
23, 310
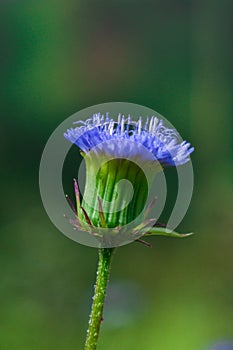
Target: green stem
102, 276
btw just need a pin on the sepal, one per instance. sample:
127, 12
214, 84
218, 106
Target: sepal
163, 231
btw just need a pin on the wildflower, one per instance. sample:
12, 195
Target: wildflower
120, 155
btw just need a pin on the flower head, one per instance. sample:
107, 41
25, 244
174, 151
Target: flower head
160, 141
225, 345
117, 154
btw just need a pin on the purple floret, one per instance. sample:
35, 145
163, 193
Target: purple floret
162, 142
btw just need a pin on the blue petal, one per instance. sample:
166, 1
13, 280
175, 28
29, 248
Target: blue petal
162, 142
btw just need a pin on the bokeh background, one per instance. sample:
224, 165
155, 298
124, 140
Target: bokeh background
59, 57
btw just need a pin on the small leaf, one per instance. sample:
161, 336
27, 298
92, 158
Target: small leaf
150, 207
101, 214
77, 195
87, 217
71, 204
144, 242
161, 231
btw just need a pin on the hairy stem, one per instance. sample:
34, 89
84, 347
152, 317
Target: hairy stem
102, 276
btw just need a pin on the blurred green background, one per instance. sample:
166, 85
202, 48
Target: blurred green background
59, 57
